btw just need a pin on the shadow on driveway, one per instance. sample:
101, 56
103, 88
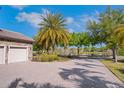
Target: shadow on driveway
80, 76
18, 82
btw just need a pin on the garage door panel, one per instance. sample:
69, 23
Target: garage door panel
17, 54
2, 61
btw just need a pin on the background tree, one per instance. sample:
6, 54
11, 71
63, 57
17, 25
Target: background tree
108, 22
78, 40
94, 33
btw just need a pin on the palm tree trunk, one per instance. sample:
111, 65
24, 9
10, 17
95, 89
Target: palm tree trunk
78, 50
114, 50
53, 50
47, 51
65, 51
92, 51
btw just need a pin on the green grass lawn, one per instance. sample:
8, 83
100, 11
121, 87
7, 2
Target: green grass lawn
116, 68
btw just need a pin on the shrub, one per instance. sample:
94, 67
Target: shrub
46, 57
121, 52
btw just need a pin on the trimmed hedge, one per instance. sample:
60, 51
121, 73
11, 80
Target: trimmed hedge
121, 52
45, 58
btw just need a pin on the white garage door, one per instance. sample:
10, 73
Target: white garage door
2, 60
17, 54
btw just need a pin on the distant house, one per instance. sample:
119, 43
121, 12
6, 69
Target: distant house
14, 47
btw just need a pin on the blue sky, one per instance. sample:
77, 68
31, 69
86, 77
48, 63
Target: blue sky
25, 19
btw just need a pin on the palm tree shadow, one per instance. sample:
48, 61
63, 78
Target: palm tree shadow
80, 76
14, 83
88, 65
18, 82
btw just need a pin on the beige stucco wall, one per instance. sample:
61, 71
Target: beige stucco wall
8, 43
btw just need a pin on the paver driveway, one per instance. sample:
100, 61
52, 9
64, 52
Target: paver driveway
74, 73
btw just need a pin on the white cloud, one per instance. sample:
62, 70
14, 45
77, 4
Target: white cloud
33, 18
44, 11
85, 18
71, 30
69, 20
79, 23
97, 13
74, 24
72, 21
20, 7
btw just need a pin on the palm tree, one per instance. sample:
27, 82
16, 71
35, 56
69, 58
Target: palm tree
52, 32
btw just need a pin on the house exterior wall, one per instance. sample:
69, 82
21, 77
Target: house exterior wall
8, 43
